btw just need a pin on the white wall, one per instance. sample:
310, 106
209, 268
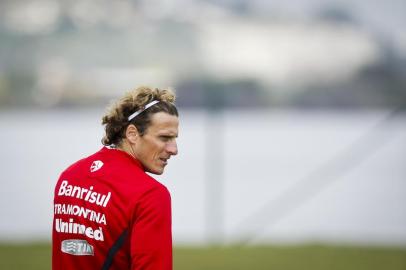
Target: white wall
337, 184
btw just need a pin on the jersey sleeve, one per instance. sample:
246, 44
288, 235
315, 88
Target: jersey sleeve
151, 232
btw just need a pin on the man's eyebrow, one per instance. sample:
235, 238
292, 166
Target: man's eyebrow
167, 134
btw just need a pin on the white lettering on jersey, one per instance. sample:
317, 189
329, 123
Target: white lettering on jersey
69, 209
86, 194
76, 228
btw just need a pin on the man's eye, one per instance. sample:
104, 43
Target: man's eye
165, 138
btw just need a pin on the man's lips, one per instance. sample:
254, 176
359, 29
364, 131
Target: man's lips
164, 160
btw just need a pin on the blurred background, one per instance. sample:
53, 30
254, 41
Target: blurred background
292, 113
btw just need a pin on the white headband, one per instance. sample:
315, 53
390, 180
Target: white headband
131, 117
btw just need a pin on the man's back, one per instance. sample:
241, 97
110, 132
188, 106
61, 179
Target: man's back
107, 211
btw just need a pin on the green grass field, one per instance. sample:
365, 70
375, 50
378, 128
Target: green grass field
313, 257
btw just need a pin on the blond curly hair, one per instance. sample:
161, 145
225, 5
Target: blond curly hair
116, 118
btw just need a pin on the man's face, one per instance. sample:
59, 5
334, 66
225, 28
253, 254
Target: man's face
158, 143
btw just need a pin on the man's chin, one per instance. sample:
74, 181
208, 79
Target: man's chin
156, 171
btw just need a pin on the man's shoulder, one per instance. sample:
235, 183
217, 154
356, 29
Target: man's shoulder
84, 163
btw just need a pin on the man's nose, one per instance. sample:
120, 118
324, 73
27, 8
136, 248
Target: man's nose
172, 148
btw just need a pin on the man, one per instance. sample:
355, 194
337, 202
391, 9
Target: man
108, 212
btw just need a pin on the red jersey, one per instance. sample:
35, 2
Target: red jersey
110, 214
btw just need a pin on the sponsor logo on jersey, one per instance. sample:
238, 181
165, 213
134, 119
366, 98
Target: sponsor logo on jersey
75, 210
77, 247
96, 165
86, 194
77, 228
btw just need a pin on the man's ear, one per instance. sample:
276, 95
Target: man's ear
131, 133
